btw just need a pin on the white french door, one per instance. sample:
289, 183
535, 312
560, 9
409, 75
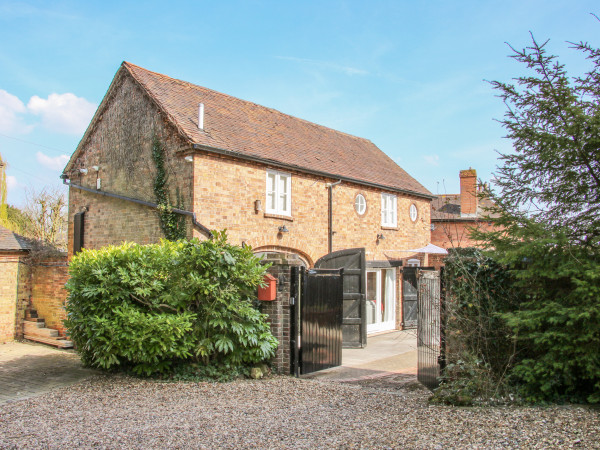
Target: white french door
381, 300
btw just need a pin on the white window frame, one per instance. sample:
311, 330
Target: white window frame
279, 193
389, 299
389, 210
413, 208
360, 206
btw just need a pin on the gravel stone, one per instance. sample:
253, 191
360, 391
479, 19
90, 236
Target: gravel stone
280, 412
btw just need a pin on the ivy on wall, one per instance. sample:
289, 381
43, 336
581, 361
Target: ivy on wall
171, 223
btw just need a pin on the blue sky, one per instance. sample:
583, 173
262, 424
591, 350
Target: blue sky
407, 75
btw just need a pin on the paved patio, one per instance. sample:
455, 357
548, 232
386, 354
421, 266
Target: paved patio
28, 369
385, 354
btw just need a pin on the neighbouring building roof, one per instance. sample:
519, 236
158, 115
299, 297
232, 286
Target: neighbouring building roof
447, 207
10, 241
249, 130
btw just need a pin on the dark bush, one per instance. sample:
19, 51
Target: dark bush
480, 348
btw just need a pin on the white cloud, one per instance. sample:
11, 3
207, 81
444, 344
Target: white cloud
11, 183
11, 108
53, 163
433, 160
63, 113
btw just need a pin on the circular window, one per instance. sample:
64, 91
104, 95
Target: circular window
413, 213
360, 204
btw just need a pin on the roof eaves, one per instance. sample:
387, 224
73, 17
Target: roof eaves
282, 165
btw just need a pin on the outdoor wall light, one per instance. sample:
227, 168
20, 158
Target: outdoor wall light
283, 229
380, 237
189, 158
257, 206
83, 171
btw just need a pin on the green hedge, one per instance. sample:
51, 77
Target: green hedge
148, 308
523, 326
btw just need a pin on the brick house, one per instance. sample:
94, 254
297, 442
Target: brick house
453, 216
277, 183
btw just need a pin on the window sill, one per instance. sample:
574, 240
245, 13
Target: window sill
278, 216
387, 227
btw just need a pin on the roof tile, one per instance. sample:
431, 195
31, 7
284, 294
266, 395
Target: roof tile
256, 131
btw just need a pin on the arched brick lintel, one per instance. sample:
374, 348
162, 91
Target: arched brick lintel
307, 260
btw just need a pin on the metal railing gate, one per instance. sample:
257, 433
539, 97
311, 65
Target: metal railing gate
429, 327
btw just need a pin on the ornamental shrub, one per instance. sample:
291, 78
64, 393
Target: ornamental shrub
149, 308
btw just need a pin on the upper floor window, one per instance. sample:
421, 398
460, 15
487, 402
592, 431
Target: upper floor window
360, 204
389, 210
279, 193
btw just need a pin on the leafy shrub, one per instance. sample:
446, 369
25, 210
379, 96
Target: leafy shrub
146, 308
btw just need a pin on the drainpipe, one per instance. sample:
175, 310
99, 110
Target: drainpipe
191, 214
330, 215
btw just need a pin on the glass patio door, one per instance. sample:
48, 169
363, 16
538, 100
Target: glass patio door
381, 300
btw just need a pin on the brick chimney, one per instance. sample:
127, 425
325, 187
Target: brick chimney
468, 193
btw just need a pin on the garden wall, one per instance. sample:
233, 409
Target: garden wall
31, 283
279, 309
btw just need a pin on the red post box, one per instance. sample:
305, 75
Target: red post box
269, 292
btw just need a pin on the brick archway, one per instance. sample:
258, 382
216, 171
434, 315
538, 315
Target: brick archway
307, 260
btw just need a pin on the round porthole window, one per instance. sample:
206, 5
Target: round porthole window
360, 204
413, 213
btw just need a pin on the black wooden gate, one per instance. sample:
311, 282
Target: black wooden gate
409, 297
317, 319
354, 322
429, 332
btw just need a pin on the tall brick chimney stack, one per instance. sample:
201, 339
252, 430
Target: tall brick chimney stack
468, 193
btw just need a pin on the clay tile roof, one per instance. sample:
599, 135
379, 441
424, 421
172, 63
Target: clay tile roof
255, 131
447, 207
12, 241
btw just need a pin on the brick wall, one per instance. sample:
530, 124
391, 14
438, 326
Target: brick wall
9, 277
453, 234
279, 310
23, 295
225, 192
37, 284
120, 145
48, 293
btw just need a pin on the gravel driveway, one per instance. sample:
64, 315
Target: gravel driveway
281, 412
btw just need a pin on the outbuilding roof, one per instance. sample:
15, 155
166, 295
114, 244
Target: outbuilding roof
447, 207
10, 241
248, 130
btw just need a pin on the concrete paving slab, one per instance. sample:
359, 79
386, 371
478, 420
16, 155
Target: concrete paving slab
28, 369
385, 354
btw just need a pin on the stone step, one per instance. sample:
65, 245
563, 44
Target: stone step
56, 342
31, 325
38, 329
34, 319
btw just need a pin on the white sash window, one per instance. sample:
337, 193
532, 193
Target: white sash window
279, 193
389, 210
